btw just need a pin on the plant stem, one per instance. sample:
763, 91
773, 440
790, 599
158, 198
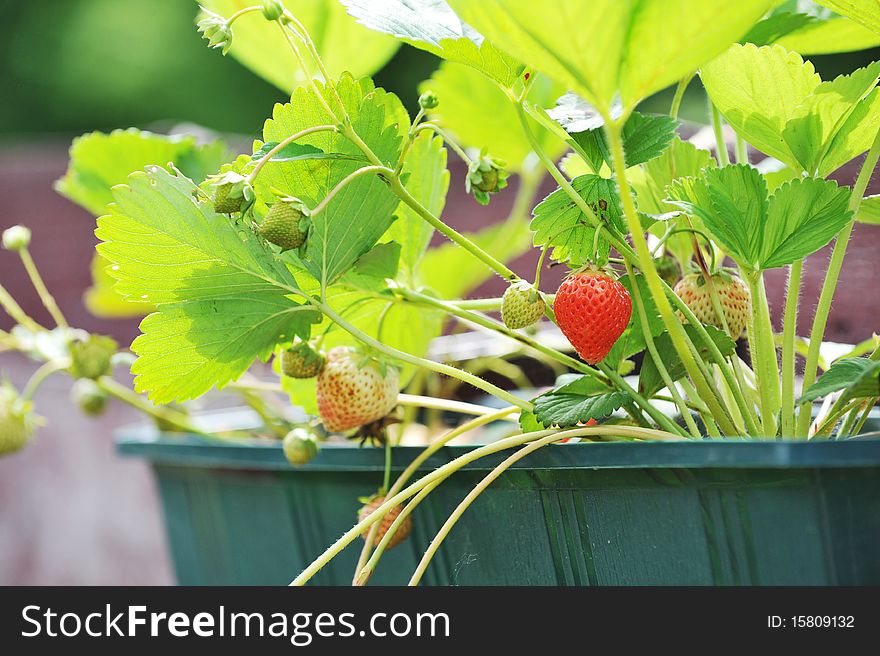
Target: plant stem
379, 170
451, 467
679, 94
43, 292
283, 144
130, 397
436, 367
789, 336
446, 404
764, 360
480, 304
662, 420
39, 376
364, 568
658, 361
448, 139
242, 12
717, 127
679, 337
13, 309
494, 264
820, 320
742, 151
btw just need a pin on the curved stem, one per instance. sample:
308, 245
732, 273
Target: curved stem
126, 395
820, 320
13, 309
436, 367
789, 336
283, 144
721, 153
39, 376
379, 170
446, 404
242, 12
453, 466
361, 575
679, 94
448, 139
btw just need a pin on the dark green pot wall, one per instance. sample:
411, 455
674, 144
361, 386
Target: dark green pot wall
735, 513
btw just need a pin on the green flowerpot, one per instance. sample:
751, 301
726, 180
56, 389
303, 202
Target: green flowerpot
689, 513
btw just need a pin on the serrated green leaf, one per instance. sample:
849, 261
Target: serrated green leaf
103, 301
800, 217
223, 299
432, 25
561, 224
758, 91
803, 216
99, 161
859, 377
776, 26
864, 12
650, 381
480, 115
528, 422
354, 220
855, 136
869, 210
577, 402
342, 44
601, 47
374, 267
427, 180
644, 138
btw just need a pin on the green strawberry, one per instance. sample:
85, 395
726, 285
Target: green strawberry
88, 396
91, 357
301, 361
232, 192
299, 446
668, 269
521, 305
286, 224
16, 421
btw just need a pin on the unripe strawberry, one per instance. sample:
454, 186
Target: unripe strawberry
403, 530
428, 100
521, 305
88, 396
485, 176
232, 192
733, 294
286, 224
300, 446
91, 357
592, 311
301, 361
16, 421
668, 269
354, 389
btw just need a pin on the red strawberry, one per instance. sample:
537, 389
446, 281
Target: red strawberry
592, 311
354, 389
403, 530
733, 294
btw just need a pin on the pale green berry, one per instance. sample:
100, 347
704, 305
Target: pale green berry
428, 100
300, 446
88, 396
16, 238
521, 305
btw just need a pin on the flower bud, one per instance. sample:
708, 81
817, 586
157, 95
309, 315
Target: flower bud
216, 30
16, 238
273, 9
428, 100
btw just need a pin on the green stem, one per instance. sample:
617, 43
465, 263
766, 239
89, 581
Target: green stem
820, 320
258, 405
655, 355
742, 151
448, 139
789, 337
449, 405
365, 568
764, 361
242, 12
283, 144
449, 468
13, 309
126, 395
43, 292
720, 144
677, 333
39, 376
662, 420
436, 367
679, 94
354, 175
494, 264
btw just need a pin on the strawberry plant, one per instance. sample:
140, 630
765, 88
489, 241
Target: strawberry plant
314, 245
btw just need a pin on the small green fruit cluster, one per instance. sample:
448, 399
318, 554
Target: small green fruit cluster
486, 176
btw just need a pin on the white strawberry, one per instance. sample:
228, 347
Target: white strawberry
354, 389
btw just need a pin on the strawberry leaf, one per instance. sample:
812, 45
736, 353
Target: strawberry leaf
222, 298
644, 138
652, 43
559, 223
357, 216
650, 381
869, 210
295, 151
858, 377
862, 12
575, 402
432, 25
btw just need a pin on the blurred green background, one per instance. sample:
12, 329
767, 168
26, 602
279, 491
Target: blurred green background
71, 66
